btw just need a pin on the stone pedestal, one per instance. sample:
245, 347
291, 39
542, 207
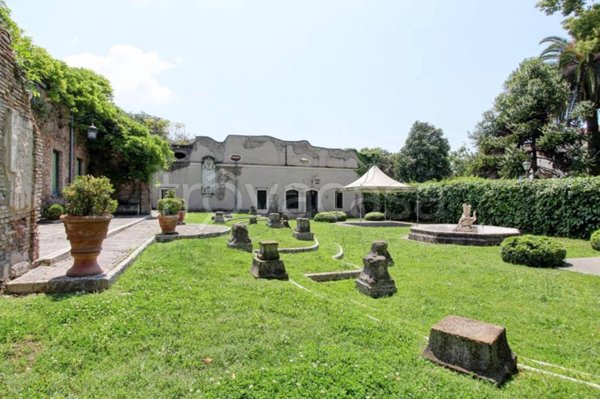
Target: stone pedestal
472, 347
252, 210
253, 220
374, 280
239, 238
266, 263
302, 230
285, 221
219, 217
380, 248
275, 221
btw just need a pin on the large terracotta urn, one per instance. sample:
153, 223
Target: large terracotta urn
168, 223
181, 217
86, 234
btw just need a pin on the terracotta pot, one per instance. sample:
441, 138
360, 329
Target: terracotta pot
181, 217
168, 224
85, 233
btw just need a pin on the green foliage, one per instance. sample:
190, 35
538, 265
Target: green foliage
170, 194
330, 217
125, 150
461, 161
552, 207
385, 160
533, 251
534, 95
374, 216
595, 240
53, 211
156, 125
169, 206
424, 155
89, 196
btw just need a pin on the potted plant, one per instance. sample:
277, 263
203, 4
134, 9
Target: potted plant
182, 212
88, 212
168, 209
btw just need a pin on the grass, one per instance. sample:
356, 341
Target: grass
188, 320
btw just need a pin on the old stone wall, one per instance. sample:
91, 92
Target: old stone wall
20, 169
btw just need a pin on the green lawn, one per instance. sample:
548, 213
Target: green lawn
154, 333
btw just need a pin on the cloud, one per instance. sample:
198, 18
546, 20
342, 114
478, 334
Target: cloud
133, 74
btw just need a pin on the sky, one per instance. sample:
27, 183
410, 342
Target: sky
339, 73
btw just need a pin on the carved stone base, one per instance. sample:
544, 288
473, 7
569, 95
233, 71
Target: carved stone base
466, 229
304, 236
219, 217
275, 221
269, 269
374, 280
253, 220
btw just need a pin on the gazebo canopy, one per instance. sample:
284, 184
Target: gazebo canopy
375, 181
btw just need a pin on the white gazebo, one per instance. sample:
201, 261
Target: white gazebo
377, 182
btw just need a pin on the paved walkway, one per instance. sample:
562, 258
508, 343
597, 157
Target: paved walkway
53, 239
584, 265
118, 252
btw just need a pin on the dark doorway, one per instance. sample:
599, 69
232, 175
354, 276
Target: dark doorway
312, 203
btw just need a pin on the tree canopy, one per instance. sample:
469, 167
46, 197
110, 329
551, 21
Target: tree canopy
424, 155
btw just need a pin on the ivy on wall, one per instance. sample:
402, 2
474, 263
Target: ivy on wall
125, 149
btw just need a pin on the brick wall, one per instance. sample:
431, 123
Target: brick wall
53, 121
20, 169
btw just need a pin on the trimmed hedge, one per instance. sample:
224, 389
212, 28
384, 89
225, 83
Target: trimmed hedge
330, 217
533, 251
552, 207
595, 240
374, 216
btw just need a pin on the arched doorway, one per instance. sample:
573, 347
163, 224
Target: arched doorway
312, 203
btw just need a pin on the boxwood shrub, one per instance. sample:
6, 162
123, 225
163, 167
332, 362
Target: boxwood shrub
565, 207
595, 240
53, 211
330, 217
533, 251
374, 216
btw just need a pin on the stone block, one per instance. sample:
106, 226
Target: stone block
266, 263
275, 221
239, 238
380, 248
303, 236
219, 217
253, 220
472, 347
302, 230
375, 280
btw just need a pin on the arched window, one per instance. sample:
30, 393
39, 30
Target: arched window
291, 200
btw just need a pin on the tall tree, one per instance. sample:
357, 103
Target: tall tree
578, 60
385, 160
424, 155
509, 135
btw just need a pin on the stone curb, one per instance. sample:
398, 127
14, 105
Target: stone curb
298, 250
162, 238
340, 253
366, 223
66, 284
62, 254
333, 276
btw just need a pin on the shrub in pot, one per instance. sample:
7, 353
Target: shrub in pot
535, 251
182, 212
168, 209
88, 212
375, 216
595, 240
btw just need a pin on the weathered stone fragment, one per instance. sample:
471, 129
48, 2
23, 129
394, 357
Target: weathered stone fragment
472, 347
380, 248
266, 263
252, 210
302, 230
285, 220
275, 221
253, 220
239, 238
374, 280
219, 217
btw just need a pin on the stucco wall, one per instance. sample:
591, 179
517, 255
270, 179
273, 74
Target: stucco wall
267, 163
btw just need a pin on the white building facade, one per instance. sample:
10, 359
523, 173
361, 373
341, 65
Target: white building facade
269, 174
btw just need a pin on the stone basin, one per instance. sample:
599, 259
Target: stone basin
445, 234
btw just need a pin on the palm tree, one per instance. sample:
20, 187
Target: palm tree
581, 68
